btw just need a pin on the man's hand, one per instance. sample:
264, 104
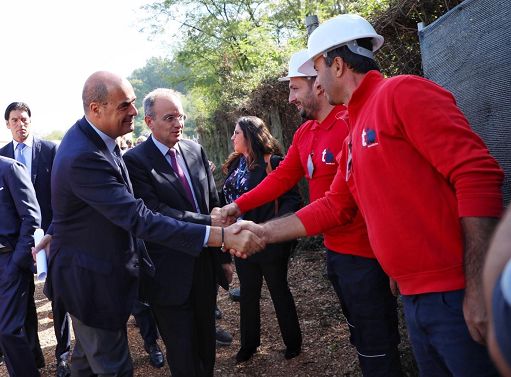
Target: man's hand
477, 232
43, 244
394, 289
230, 213
242, 242
475, 314
218, 220
228, 271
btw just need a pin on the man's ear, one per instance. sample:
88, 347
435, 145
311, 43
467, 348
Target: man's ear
318, 89
148, 121
338, 65
94, 109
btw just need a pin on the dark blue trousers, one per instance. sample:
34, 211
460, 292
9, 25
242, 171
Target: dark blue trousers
145, 322
14, 295
370, 310
440, 338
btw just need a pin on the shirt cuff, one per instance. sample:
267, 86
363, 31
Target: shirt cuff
206, 236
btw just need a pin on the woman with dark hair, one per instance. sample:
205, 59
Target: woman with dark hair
256, 153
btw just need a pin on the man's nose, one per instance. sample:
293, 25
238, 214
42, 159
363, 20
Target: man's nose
133, 109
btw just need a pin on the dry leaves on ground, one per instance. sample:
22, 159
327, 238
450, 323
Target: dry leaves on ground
326, 347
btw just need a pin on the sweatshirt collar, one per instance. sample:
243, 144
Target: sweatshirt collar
366, 87
338, 112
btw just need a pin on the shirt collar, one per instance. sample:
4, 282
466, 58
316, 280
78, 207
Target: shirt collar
28, 142
110, 143
338, 112
370, 81
163, 148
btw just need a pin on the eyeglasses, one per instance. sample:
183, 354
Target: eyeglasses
172, 118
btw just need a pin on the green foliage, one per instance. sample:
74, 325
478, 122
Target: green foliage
54, 135
226, 48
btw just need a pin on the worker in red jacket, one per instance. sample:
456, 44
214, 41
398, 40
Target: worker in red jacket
359, 282
426, 185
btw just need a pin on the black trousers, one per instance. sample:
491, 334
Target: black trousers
370, 310
145, 322
62, 328
188, 329
274, 271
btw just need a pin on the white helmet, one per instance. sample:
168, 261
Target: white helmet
344, 29
300, 59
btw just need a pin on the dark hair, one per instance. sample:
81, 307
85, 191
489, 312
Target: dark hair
17, 106
358, 63
259, 142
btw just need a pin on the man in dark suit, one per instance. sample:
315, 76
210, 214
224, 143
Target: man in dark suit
173, 178
95, 221
20, 216
37, 155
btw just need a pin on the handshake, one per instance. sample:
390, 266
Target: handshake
241, 238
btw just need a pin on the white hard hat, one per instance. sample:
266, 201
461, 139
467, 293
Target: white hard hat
344, 29
300, 59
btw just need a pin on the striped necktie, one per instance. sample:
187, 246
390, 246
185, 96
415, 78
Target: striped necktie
181, 175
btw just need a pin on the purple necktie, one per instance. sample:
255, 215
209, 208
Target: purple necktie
181, 175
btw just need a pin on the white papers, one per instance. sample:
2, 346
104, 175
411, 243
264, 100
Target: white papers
42, 265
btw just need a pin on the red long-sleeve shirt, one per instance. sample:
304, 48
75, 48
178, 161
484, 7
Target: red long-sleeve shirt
322, 142
414, 167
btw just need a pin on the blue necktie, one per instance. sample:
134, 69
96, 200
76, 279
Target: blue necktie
19, 151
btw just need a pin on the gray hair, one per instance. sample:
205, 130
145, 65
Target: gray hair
160, 92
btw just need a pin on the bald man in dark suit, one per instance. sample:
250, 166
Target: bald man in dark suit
96, 220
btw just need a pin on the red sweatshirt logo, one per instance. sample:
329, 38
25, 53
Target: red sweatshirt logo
369, 138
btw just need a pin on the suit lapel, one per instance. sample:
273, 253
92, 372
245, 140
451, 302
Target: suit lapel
193, 166
84, 126
163, 168
36, 151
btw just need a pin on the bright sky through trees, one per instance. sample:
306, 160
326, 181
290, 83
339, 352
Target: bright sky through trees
50, 47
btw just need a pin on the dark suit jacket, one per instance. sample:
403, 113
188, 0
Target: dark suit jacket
19, 212
95, 217
43, 154
287, 203
154, 182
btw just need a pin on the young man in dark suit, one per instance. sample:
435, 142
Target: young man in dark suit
96, 220
37, 155
182, 294
20, 216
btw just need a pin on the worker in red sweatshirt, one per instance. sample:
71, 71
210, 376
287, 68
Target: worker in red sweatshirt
359, 282
425, 184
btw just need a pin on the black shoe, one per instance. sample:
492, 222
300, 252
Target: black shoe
245, 354
156, 358
292, 353
234, 294
1, 359
223, 338
63, 370
218, 313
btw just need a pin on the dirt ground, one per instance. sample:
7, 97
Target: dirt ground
326, 349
